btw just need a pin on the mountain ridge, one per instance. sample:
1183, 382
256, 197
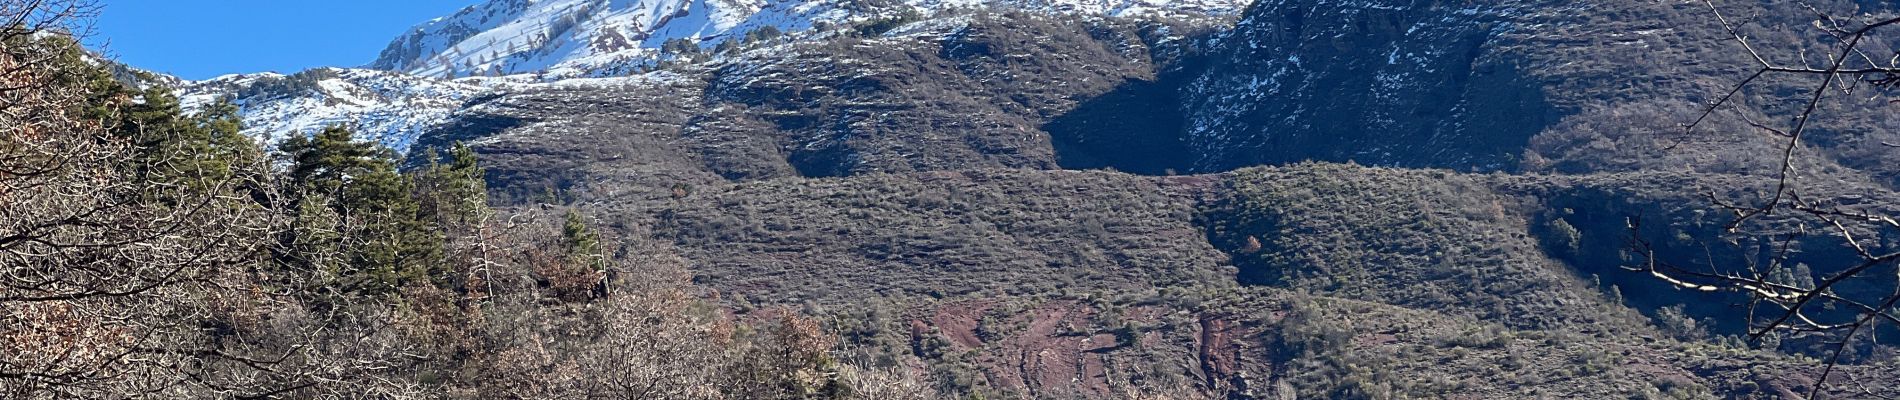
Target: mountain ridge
414, 85
577, 38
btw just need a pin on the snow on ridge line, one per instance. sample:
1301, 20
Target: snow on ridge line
600, 43
391, 108
386, 107
584, 38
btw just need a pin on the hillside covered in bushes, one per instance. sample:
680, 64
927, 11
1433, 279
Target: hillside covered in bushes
1381, 199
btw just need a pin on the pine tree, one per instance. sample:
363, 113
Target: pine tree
583, 245
454, 197
320, 163
388, 242
314, 241
453, 194
578, 270
173, 149
396, 246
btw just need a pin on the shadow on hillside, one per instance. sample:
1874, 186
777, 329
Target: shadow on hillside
1599, 247
1137, 128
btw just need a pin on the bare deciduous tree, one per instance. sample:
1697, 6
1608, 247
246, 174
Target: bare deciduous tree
89, 261
1820, 307
129, 269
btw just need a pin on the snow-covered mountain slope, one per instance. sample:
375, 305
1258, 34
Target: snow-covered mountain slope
574, 38
428, 74
388, 107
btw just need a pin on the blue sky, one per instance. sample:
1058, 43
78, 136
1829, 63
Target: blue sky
198, 39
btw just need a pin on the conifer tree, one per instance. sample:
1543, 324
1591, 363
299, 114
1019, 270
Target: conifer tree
581, 271
196, 151
387, 241
583, 245
315, 242
453, 196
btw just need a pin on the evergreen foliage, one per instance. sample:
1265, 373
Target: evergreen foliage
583, 245
388, 241
453, 194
